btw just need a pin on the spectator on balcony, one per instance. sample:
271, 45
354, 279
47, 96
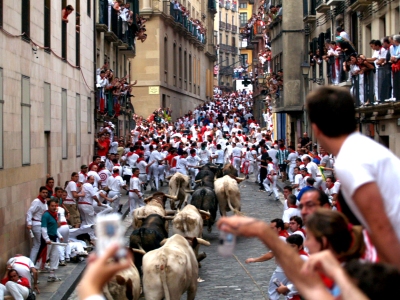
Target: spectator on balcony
176, 7
66, 12
381, 87
366, 80
342, 33
395, 60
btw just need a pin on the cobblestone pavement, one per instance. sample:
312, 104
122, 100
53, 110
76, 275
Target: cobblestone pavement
231, 278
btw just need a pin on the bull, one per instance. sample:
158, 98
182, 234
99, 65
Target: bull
189, 223
155, 204
125, 285
204, 198
179, 186
171, 271
207, 175
228, 195
148, 237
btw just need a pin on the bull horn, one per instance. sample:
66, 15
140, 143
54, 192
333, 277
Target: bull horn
163, 242
169, 177
204, 212
171, 197
238, 179
141, 217
198, 181
189, 191
147, 199
138, 251
203, 242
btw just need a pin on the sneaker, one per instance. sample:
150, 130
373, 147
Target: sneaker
67, 260
62, 263
269, 194
276, 199
53, 279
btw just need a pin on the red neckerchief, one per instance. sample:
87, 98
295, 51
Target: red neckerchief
283, 233
139, 160
292, 206
41, 199
302, 252
306, 175
117, 165
130, 154
49, 189
193, 154
84, 174
115, 175
135, 176
53, 214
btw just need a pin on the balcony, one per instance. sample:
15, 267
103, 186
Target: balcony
234, 29
212, 6
222, 25
334, 2
309, 15
234, 6
360, 5
227, 71
228, 27
321, 6
227, 5
228, 49
251, 1
221, 3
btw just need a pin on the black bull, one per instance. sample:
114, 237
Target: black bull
148, 237
205, 199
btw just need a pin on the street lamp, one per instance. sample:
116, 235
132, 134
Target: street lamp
261, 79
305, 69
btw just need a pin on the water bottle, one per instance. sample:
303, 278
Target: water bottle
31, 234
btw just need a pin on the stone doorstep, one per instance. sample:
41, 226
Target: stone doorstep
70, 274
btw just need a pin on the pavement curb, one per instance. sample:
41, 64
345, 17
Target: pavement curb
70, 283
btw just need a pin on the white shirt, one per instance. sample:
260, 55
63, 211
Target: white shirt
290, 212
298, 179
142, 167
61, 214
104, 174
115, 183
35, 211
134, 184
292, 158
71, 187
89, 193
220, 157
155, 156
312, 169
23, 265
236, 152
96, 176
193, 160
204, 155
362, 160
82, 177
181, 165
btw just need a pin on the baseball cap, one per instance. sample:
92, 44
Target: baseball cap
84, 167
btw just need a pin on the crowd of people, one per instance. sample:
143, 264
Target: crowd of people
320, 220
182, 15
373, 78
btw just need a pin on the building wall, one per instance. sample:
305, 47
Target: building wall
19, 184
164, 76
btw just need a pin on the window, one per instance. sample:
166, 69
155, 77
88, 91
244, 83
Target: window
233, 20
1, 13
89, 115
180, 67
77, 34
243, 5
89, 7
175, 64
243, 59
26, 19
226, 39
185, 68
26, 121
78, 124
64, 124
166, 59
227, 61
233, 41
63, 34
190, 72
47, 107
1, 118
243, 19
47, 25
220, 39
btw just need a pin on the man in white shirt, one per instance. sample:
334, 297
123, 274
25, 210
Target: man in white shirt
156, 157
368, 181
291, 211
236, 157
193, 160
204, 154
115, 183
181, 163
34, 220
95, 175
311, 166
24, 266
85, 203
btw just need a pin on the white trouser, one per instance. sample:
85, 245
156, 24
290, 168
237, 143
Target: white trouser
172, 171
87, 214
161, 169
134, 202
182, 171
37, 233
115, 203
74, 232
273, 294
64, 231
102, 210
273, 185
291, 172
256, 169
19, 292
53, 255
73, 248
236, 163
193, 172
143, 178
3, 291
318, 182
154, 174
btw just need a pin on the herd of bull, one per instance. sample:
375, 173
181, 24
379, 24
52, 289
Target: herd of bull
169, 267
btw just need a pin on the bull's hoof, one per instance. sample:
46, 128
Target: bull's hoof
201, 256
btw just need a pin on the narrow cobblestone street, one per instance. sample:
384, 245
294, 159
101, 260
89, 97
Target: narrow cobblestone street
231, 278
